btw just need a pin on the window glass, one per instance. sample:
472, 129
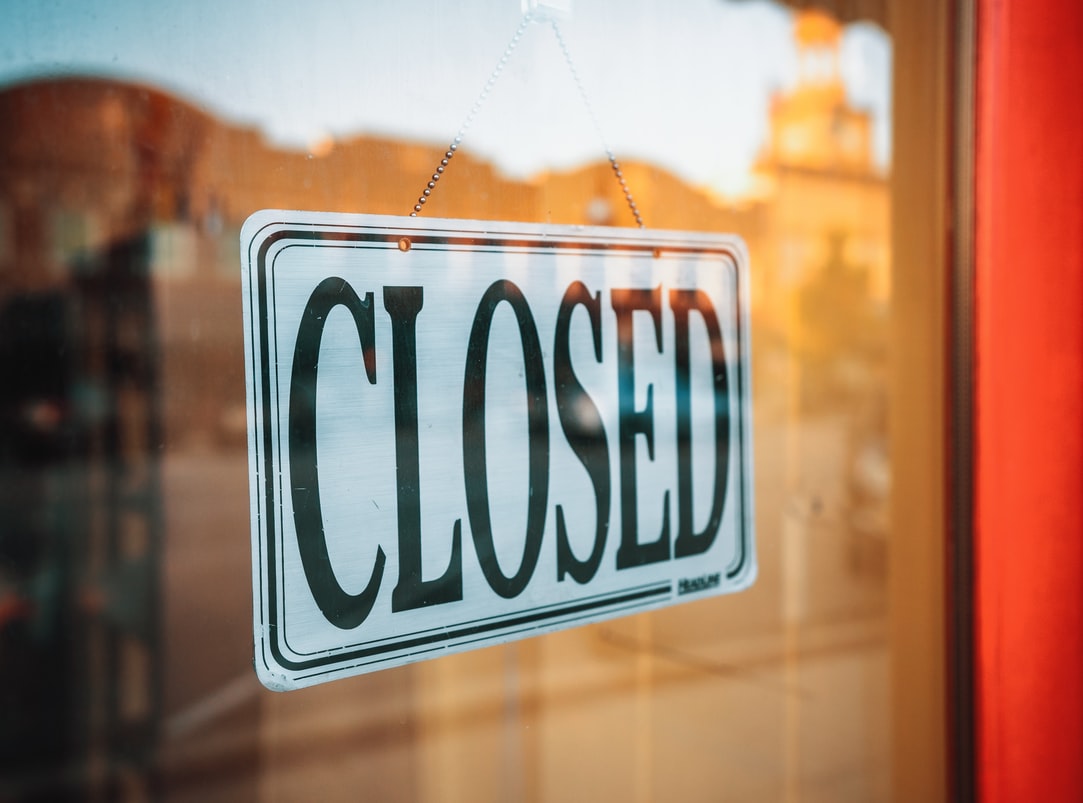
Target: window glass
138, 138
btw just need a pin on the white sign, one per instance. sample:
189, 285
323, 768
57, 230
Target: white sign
463, 432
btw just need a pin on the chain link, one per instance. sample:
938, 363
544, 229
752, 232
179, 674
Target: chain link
594, 121
528, 18
457, 141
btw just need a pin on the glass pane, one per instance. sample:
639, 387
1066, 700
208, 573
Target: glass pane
137, 140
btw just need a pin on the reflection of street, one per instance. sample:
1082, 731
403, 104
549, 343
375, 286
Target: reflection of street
699, 697
210, 728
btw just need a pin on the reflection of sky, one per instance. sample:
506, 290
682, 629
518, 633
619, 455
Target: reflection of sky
686, 90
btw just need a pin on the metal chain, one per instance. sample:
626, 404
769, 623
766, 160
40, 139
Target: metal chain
457, 141
594, 120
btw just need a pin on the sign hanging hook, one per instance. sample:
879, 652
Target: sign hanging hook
534, 11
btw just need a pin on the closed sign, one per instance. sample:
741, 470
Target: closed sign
463, 432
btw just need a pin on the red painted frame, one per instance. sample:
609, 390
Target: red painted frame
1029, 401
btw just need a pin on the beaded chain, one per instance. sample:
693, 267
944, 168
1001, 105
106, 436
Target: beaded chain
528, 18
594, 121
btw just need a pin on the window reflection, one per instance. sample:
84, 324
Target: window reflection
125, 612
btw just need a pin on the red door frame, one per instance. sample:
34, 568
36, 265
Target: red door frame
1028, 294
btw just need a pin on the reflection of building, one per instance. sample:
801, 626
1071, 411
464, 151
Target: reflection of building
816, 175
69, 185
80, 545
813, 127
76, 163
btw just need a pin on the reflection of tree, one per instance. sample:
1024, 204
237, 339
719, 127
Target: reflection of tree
843, 332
